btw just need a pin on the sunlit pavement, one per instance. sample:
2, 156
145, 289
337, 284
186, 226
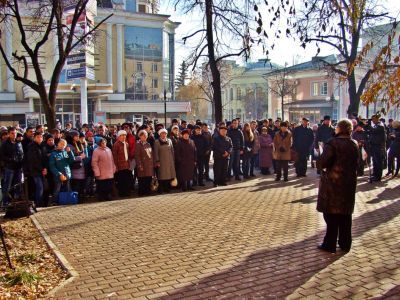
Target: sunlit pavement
254, 239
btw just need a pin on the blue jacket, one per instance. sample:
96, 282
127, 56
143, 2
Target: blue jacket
59, 163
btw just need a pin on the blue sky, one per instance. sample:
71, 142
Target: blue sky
286, 50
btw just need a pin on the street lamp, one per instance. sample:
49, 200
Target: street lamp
164, 96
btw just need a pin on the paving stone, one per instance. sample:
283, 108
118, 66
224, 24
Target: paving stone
254, 239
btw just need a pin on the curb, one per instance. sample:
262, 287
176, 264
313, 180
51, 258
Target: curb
73, 274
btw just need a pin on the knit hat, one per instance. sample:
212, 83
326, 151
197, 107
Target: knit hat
162, 130
99, 140
81, 134
175, 126
89, 134
121, 132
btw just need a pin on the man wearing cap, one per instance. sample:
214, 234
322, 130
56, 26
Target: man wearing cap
325, 132
377, 145
123, 175
303, 138
222, 148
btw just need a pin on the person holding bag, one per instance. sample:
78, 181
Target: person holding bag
282, 145
59, 165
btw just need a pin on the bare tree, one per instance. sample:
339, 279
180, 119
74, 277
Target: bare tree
225, 23
36, 22
281, 84
338, 24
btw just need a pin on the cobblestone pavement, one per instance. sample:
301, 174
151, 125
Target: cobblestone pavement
254, 239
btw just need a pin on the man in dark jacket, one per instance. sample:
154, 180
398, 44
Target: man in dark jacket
325, 132
377, 145
337, 189
11, 155
222, 148
35, 164
207, 135
236, 135
303, 138
201, 148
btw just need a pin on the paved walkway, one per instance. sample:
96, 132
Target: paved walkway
250, 240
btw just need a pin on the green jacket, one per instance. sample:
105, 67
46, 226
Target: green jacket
59, 162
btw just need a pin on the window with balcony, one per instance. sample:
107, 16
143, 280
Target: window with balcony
139, 66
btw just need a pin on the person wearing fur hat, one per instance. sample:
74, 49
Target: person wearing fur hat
164, 161
103, 168
123, 175
186, 160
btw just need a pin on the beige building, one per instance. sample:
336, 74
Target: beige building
134, 62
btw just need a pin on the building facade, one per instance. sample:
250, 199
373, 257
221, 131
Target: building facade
315, 93
245, 90
134, 57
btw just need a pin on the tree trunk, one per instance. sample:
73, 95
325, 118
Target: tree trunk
282, 107
216, 76
354, 97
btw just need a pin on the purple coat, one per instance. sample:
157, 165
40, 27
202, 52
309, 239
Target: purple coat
265, 152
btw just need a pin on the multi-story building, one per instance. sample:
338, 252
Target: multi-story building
134, 63
315, 92
245, 90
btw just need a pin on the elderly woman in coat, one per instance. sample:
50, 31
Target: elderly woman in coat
337, 189
103, 168
144, 163
164, 161
282, 144
265, 152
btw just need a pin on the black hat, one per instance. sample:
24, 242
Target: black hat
73, 133
306, 119
196, 127
81, 134
186, 131
327, 118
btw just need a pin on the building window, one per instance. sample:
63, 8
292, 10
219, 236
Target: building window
155, 83
239, 93
139, 66
324, 88
142, 8
314, 88
154, 68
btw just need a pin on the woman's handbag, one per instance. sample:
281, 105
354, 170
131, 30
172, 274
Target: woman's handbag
174, 182
154, 184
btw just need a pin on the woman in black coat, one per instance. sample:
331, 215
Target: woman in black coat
394, 150
186, 160
336, 196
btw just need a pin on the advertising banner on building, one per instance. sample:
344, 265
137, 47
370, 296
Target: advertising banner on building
99, 117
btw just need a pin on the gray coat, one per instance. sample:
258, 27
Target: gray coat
164, 155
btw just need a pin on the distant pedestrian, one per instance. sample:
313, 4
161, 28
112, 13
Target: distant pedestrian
164, 159
144, 163
265, 152
281, 154
303, 139
123, 175
186, 160
222, 148
337, 190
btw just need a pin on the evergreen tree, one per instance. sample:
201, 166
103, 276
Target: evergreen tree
182, 75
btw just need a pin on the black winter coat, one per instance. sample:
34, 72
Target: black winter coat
324, 134
220, 145
237, 138
11, 155
337, 188
185, 155
377, 136
35, 160
303, 138
201, 145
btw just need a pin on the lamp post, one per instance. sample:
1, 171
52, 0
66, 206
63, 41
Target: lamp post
165, 95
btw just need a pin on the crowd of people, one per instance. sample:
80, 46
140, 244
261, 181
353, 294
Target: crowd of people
102, 161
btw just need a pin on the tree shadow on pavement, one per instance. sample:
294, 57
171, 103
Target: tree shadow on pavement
306, 200
276, 273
